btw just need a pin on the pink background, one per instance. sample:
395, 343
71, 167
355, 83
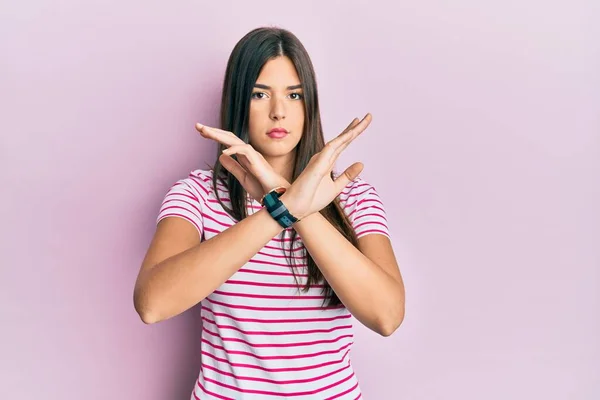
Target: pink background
485, 147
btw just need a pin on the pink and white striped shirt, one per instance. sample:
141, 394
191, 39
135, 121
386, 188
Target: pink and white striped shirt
262, 338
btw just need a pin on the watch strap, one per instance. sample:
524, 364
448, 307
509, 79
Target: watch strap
277, 209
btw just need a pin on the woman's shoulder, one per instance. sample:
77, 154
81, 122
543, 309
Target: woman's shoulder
200, 181
205, 175
359, 194
357, 187
360, 201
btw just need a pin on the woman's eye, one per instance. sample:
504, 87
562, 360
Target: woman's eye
262, 95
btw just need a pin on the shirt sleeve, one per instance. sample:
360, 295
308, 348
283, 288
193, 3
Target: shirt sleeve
183, 202
367, 213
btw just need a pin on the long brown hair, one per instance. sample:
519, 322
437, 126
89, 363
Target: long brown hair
243, 68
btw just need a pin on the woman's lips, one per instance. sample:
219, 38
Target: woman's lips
277, 133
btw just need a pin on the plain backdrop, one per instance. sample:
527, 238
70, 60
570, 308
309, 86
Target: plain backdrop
484, 146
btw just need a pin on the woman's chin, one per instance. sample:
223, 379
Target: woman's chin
275, 148
276, 153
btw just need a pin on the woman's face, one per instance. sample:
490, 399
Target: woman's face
277, 101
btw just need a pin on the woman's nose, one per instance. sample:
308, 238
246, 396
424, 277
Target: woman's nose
277, 110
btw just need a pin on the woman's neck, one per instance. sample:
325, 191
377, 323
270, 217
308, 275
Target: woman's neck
283, 165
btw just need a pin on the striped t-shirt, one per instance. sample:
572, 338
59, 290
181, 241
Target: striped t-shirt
262, 338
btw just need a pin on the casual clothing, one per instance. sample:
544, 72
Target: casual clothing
262, 338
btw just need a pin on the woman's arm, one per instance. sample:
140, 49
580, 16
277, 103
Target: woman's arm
178, 271
367, 280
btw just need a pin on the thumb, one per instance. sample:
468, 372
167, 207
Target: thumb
233, 166
349, 175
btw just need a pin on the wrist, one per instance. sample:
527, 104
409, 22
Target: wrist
275, 184
279, 210
287, 200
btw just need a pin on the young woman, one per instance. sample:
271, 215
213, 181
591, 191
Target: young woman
279, 250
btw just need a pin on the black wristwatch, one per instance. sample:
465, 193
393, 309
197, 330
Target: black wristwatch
277, 209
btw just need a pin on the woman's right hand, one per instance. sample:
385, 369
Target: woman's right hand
314, 189
253, 172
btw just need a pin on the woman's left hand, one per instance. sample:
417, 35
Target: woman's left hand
253, 172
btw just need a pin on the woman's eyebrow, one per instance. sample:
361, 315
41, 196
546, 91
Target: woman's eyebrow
261, 86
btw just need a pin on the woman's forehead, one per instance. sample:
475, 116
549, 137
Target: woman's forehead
279, 74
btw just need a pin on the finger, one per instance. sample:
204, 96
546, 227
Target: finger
225, 137
199, 126
240, 149
348, 175
360, 127
343, 146
224, 132
248, 155
219, 135
347, 142
353, 132
352, 124
234, 167
344, 142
